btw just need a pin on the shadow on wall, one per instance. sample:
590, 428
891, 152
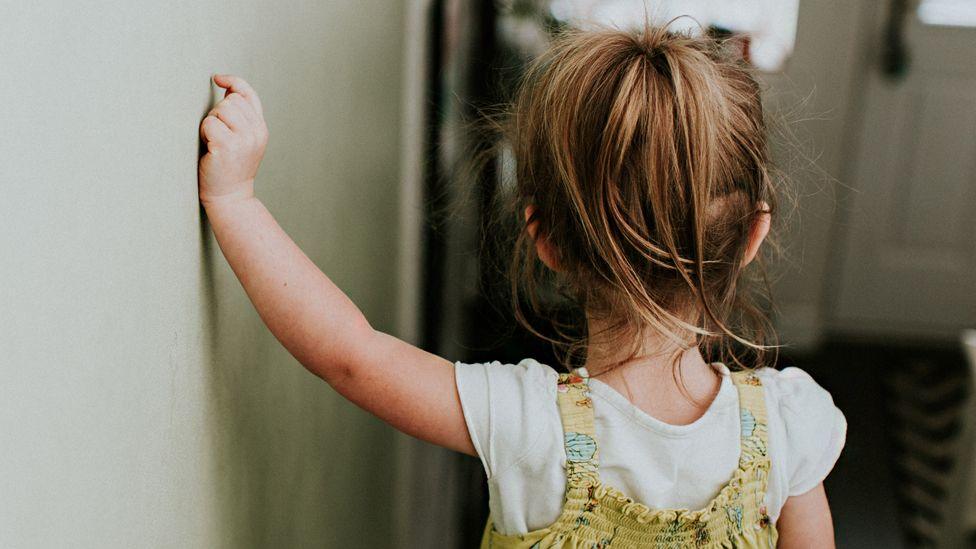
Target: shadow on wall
293, 464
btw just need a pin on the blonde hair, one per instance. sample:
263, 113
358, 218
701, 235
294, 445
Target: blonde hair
644, 155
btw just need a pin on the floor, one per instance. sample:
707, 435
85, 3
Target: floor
860, 489
868, 511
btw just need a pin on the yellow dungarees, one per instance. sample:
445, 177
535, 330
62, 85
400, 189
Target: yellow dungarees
595, 515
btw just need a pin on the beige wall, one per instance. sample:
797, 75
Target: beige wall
142, 402
814, 106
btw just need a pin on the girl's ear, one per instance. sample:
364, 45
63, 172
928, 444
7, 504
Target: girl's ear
757, 233
543, 248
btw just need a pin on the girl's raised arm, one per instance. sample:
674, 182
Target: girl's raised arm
409, 388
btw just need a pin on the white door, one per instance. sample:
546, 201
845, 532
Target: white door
909, 251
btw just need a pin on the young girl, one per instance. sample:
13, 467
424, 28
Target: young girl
642, 171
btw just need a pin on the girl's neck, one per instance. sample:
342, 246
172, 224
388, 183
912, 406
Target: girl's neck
649, 381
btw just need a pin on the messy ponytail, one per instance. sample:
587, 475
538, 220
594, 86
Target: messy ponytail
643, 155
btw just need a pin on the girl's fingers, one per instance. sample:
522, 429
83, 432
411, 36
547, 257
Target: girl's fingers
213, 129
238, 101
236, 84
231, 115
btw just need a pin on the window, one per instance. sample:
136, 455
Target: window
948, 13
769, 25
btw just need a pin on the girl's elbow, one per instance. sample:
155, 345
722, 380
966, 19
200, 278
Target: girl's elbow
345, 359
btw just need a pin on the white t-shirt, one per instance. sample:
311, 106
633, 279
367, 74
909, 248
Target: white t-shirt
513, 419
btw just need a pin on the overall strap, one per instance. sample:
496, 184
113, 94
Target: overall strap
576, 411
752, 415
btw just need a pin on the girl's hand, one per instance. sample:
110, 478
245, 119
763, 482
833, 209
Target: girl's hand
236, 135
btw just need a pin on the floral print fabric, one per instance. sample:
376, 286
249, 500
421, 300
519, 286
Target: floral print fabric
597, 516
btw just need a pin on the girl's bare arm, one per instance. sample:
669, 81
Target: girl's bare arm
805, 521
409, 388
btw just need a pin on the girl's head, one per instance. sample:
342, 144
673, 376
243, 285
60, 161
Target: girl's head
643, 173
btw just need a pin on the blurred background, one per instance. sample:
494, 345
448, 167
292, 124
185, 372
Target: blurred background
143, 403
872, 107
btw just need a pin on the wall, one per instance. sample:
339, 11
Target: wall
142, 402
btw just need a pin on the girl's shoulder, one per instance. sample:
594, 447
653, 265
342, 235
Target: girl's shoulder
527, 377
791, 383
807, 430
794, 394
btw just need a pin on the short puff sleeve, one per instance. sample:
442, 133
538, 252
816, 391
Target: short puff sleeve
507, 408
815, 429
